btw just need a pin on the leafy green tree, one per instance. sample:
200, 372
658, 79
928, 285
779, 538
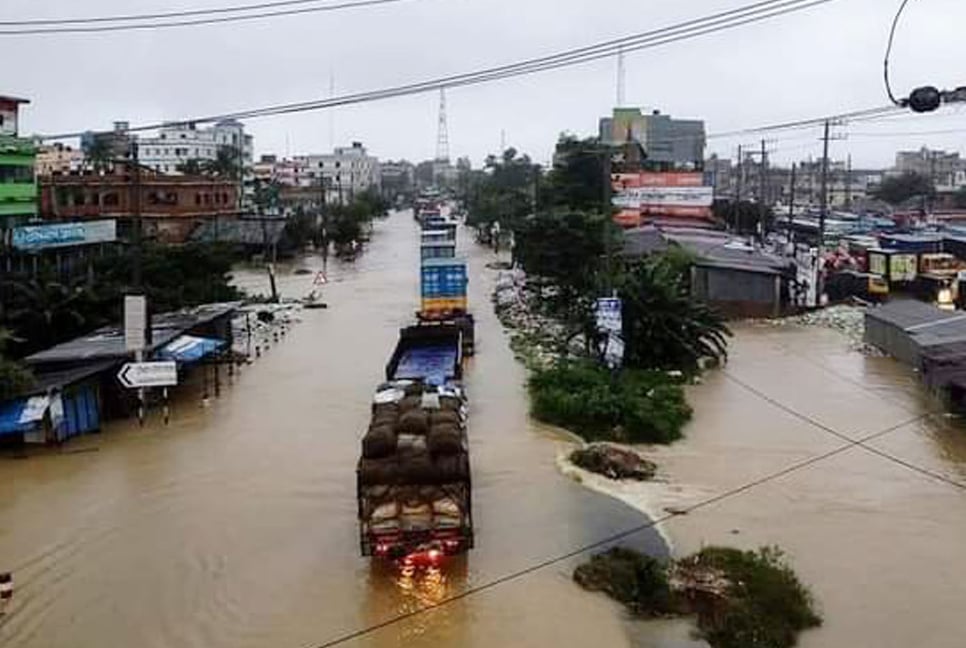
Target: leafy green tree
43, 310
14, 378
425, 171
577, 178
959, 199
897, 190
749, 218
664, 328
227, 163
192, 166
100, 154
506, 192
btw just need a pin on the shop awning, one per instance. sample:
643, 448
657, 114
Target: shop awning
22, 415
189, 348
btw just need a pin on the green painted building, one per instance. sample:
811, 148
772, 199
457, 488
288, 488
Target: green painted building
18, 185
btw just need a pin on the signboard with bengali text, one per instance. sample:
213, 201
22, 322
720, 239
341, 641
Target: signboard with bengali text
55, 235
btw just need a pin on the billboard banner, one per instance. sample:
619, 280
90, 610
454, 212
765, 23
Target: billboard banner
668, 196
622, 181
55, 235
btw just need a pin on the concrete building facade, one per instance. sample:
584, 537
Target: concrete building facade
673, 143
946, 170
176, 144
58, 159
18, 187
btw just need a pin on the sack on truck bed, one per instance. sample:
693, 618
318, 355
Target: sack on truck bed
444, 440
450, 403
378, 472
410, 403
416, 469
387, 409
444, 417
414, 421
379, 442
451, 469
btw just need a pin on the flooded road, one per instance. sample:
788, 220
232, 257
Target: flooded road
235, 526
881, 545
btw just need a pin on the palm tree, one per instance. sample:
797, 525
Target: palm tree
664, 328
44, 311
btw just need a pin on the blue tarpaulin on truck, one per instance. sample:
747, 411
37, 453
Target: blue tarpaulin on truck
433, 364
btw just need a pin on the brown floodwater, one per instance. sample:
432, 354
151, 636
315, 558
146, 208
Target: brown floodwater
235, 525
880, 545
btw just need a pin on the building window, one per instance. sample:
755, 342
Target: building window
111, 200
197, 199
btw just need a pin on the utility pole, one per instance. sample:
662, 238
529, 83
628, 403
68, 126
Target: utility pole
138, 279
848, 184
823, 213
608, 215
762, 189
791, 204
932, 180
325, 226
136, 217
738, 192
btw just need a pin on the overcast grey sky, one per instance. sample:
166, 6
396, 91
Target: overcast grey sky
820, 61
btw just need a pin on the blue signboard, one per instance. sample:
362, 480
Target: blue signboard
54, 235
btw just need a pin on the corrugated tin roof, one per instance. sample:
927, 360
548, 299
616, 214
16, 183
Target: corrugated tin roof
905, 313
107, 343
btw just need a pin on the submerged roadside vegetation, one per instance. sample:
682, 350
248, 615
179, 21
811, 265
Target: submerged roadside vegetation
739, 599
562, 263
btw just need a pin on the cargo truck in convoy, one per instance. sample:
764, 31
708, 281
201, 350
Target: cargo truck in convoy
413, 479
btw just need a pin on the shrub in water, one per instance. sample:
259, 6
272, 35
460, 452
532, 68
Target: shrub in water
630, 405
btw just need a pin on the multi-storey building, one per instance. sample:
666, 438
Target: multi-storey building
176, 144
669, 143
345, 172
947, 171
18, 188
58, 158
171, 205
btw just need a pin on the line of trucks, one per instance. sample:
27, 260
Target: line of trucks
413, 476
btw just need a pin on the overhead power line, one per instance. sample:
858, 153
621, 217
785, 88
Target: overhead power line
611, 539
86, 26
748, 14
155, 16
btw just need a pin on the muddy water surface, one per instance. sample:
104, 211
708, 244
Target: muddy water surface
235, 525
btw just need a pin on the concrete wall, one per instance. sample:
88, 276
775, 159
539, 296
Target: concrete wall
892, 340
738, 293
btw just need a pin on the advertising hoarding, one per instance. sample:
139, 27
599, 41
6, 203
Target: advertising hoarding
55, 235
675, 194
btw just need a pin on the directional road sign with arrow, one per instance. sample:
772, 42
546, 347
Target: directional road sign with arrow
149, 374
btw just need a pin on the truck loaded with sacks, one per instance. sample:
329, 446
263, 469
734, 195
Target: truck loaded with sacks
413, 478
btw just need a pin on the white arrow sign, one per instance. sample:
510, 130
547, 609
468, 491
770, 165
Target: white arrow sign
149, 374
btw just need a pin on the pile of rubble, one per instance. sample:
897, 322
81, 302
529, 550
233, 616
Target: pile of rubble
613, 462
847, 320
534, 338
